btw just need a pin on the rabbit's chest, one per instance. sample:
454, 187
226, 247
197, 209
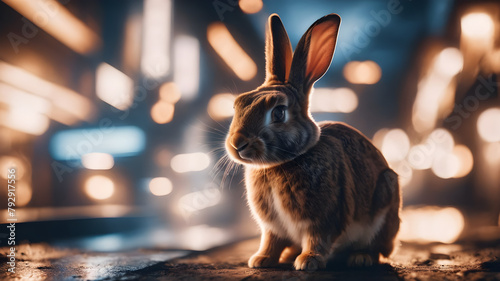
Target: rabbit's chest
274, 210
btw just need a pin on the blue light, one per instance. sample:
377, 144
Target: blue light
117, 141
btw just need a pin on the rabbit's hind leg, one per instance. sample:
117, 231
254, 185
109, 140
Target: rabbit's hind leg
383, 243
387, 195
377, 236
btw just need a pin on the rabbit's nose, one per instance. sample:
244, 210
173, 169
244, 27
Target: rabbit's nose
239, 142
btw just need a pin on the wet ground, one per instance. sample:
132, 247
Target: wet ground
411, 262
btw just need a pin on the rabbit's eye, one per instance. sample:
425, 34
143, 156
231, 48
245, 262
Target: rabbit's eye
279, 114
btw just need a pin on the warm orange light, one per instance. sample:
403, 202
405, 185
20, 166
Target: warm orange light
404, 171
187, 65
98, 161
169, 92
221, 107
466, 160
441, 140
333, 100
190, 162
491, 152
477, 25
24, 120
9, 162
362, 72
449, 62
99, 187
488, 125
114, 87
160, 186
199, 200
421, 156
65, 103
162, 112
56, 20
435, 89
203, 237
155, 59
23, 194
493, 58
446, 165
379, 136
15, 97
251, 6
395, 145
230, 51
431, 224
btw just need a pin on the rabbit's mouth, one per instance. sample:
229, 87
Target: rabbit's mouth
246, 150
255, 152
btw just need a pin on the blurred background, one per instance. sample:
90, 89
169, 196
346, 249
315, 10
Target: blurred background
114, 113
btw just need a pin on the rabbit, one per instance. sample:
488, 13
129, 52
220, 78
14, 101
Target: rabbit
317, 190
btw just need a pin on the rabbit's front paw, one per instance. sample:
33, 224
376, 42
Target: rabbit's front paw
309, 262
258, 260
360, 260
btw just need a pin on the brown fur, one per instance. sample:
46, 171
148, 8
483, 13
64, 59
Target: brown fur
307, 183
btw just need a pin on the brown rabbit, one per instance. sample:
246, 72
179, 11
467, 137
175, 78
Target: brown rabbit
316, 190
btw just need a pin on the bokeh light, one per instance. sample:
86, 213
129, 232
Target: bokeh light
477, 25
378, 137
66, 106
251, 6
333, 100
491, 152
466, 160
362, 72
9, 162
190, 162
420, 156
62, 25
404, 171
431, 224
162, 112
395, 145
221, 106
187, 65
25, 120
99, 187
114, 87
230, 51
169, 92
199, 200
446, 165
24, 193
157, 23
488, 125
203, 237
440, 140
449, 62
160, 186
98, 161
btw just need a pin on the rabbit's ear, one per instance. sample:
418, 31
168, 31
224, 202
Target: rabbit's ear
314, 52
278, 51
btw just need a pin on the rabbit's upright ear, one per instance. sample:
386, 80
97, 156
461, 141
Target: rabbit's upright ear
314, 52
278, 51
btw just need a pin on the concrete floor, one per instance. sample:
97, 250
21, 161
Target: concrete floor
411, 262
